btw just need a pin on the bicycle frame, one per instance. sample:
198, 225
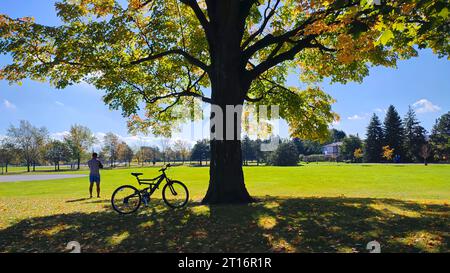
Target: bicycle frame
152, 186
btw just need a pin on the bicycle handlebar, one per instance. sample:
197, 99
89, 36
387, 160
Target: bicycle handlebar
165, 168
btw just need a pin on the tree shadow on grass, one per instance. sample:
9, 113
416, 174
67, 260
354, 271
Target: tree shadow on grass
273, 225
77, 200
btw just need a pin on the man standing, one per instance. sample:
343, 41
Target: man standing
94, 176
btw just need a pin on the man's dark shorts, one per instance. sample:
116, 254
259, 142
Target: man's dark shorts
94, 178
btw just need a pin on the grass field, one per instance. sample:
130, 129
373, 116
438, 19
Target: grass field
311, 208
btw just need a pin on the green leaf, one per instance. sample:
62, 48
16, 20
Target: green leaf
399, 26
444, 13
386, 37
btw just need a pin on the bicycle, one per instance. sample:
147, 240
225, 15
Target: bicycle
127, 199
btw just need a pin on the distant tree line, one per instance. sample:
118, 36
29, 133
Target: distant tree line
30, 146
406, 140
394, 140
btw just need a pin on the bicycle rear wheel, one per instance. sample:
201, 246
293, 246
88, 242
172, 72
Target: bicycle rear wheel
126, 199
175, 194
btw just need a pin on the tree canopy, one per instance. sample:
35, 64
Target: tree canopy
28, 139
79, 139
286, 154
349, 145
200, 151
162, 52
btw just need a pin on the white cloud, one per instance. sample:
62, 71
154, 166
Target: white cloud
9, 104
356, 117
99, 136
381, 110
59, 135
59, 103
425, 106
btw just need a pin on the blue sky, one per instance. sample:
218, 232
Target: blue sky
423, 82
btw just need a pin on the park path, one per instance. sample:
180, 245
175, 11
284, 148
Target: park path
16, 178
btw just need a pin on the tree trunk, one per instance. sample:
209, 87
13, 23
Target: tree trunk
226, 183
229, 85
78, 162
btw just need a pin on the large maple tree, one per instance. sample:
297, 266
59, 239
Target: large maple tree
166, 53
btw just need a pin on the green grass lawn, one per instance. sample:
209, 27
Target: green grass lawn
311, 208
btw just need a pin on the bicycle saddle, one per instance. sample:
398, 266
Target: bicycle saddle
136, 174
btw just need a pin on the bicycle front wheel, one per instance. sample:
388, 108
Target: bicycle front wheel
126, 199
175, 194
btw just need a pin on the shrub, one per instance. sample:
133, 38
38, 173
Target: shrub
285, 155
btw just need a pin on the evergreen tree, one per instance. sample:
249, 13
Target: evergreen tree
299, 144
414, 137
393, 132
338, 135
259, 155
248, 152
200, 151
440, 137
374, 141
335, 136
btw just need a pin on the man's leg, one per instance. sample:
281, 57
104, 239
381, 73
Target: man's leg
98, 189
90, 189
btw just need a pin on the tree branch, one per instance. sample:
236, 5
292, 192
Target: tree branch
169, 106
181, 52
247, 98
322, 47
270, 39
198, 13
140, 90
290, 54
179, 95
277, 85
266, 20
